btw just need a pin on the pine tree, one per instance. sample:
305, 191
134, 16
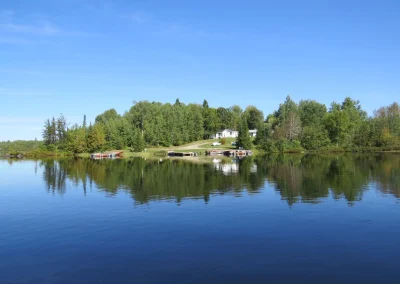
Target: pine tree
244, 140
96, 138
138, 143
61, 130
53, 131
46, 133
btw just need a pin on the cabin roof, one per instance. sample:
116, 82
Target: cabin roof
228, 130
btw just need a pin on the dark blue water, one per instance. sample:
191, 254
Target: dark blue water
329, 219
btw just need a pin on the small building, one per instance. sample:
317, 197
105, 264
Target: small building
253, 132
226, 133
229, 133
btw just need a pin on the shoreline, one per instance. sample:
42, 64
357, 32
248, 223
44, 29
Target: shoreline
152, 153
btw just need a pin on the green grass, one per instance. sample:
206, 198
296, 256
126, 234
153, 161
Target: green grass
150, 152
227, 145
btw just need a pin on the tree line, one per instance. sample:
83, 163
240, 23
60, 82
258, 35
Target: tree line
20, 146
293, 127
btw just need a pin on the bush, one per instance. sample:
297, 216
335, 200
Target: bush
268, 146
286, 146
222, 141
333, 149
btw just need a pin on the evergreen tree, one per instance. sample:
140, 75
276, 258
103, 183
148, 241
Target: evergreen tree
138, 143
244, 140
61, 130
263, 134
236, 116
96, 139
76, 140
46, 133
53, 131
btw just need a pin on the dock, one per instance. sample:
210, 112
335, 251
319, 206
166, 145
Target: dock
182, 154
229, 153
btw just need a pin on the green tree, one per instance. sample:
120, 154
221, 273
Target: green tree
210, 120
61, 131
138, 144
337, 123
225, 118
314, 137
47, 133
311, 113
96, 140
263, 134
76, 140
195, 122
236, 116
254, 117
244, 140
285, 109
107, 116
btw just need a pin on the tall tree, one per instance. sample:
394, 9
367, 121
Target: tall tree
292, 126
76, 140
244, 140
254, 117
285, 109
225, 118
107, 116
138, 144
96, 140
210, 120
311, 113
236, 116
61, 130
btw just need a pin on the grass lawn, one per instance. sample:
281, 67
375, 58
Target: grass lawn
208, 144
198, 147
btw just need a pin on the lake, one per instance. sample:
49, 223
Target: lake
285, 219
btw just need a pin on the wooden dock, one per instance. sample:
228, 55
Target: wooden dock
215, 153
182, 154
229, 153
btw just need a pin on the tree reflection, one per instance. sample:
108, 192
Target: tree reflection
297, 178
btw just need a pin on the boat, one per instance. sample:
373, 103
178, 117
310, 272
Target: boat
106, 155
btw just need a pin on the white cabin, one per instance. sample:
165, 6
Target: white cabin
253, 132
229, 133
226, 133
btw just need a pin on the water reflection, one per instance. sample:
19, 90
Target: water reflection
309, 178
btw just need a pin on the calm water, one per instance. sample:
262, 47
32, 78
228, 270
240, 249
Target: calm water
311, 219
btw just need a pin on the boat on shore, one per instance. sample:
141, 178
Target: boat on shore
107, 155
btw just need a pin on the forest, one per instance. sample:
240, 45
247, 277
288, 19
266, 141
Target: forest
293, 127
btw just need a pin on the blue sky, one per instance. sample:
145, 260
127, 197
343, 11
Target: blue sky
83, 57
